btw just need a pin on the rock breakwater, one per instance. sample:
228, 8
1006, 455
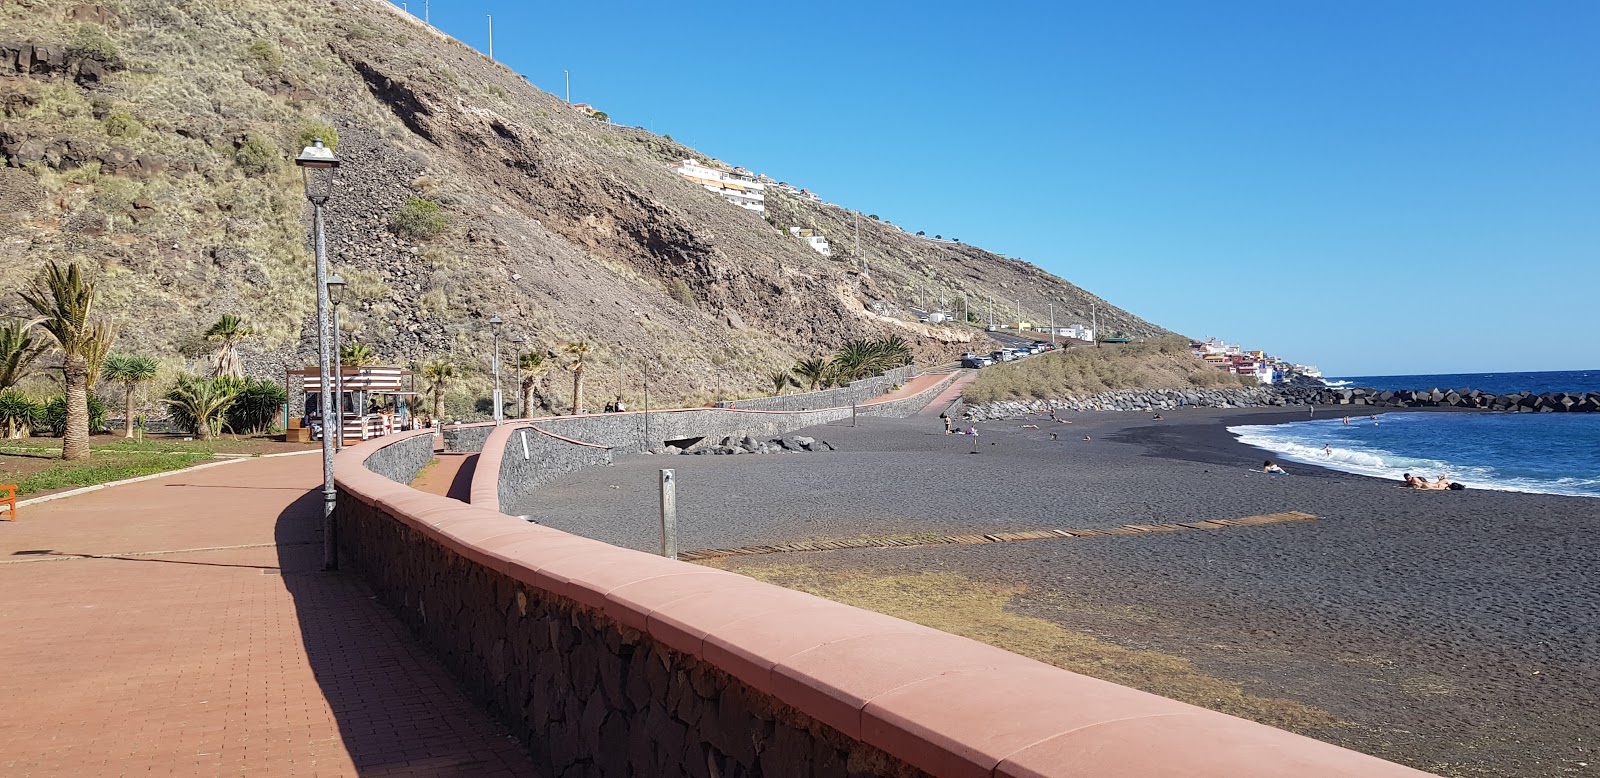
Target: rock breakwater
1265, 396
1517, 402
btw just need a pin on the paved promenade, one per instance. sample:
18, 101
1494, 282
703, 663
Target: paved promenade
182, 626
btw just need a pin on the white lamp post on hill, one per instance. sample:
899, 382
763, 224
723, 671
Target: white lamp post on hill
317, 163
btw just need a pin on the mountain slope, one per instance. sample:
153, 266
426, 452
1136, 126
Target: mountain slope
150, 138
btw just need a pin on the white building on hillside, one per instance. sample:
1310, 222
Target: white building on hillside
815, 241
738, 186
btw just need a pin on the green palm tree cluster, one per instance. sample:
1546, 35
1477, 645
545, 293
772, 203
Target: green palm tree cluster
781, 380
577, 349
64, 300
227, 334
532, 364
862, 358
439, 373
357, 354
19, 347
129, 370
206, 406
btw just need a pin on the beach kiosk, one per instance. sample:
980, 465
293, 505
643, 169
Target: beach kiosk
375, 401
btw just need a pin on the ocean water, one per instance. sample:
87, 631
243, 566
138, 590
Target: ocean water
1550, 453
1499, 383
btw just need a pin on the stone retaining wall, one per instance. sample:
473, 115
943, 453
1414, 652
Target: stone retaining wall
406, 455
607, 661
857, 392
1518, 402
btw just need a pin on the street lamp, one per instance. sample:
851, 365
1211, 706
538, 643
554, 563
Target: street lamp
1052, 323
336, 296
499, 407
517, 345
317, 163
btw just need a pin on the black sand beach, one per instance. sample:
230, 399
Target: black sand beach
1457, 632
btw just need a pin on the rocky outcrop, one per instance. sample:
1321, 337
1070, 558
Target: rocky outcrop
748, 445
40, 59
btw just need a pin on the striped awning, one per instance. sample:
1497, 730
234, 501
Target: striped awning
359, 379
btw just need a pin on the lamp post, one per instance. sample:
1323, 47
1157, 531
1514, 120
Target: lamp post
1052, 323
317, 163
499, 405
517, 344
336, 296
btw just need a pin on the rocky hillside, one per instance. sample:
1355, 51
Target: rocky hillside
151, 139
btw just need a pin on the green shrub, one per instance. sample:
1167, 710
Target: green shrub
19, 413
258, 156
256, 404
418, 219
680, 291
92, 42
55, 415
267, 54
311, 131
121, 124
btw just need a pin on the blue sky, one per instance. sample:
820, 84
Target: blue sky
1374, 187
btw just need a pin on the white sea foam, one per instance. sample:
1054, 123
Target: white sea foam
1379, 463
1337, 384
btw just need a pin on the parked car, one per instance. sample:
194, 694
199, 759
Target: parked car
1002, 356
972, 361
987, 361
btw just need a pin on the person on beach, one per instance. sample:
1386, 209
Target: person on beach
1418, 483
1347, 421
946, 419
1327, 449
1270, 467
619, 406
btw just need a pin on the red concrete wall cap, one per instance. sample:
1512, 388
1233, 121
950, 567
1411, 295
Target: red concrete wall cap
834, 681
683, 623
1194, 745
631, 604
750, 648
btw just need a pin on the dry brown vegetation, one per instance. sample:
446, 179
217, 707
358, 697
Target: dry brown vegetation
981, 610
570, 228
1162, 363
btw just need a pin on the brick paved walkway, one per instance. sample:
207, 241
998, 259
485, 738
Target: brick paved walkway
241, 660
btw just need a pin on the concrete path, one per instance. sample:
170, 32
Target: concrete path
182, 626
950, 393
912, 388
450, 477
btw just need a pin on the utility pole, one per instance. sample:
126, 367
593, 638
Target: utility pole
491, 37
568, 74
964, 313
425, 19
1094, 325
858, 244
1019, 316
1052, 323
991, 314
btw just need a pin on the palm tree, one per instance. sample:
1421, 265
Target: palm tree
577, 349
18, 349
781, 380
532, 364
65, 301
853, 360
130, 370
227, 333
438, 373
203, 403
354, 354
812, 370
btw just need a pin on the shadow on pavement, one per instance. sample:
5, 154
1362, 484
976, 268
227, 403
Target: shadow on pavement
398, 711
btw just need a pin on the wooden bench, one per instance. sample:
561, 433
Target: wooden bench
8, 500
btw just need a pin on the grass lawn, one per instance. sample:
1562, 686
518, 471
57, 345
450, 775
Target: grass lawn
36, 467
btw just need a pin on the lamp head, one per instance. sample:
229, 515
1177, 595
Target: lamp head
317, 163
336, 288
495, 321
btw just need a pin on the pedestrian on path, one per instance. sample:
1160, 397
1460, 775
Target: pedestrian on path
946, 418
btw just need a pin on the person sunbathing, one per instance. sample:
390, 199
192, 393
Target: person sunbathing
1419, 483
1271, 467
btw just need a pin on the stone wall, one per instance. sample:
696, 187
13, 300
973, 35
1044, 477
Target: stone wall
611, 662
404, 457
466, 437
532, 457
586, 695
857, 392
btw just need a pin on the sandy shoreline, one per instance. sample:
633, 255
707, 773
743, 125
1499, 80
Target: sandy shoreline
1453, 631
